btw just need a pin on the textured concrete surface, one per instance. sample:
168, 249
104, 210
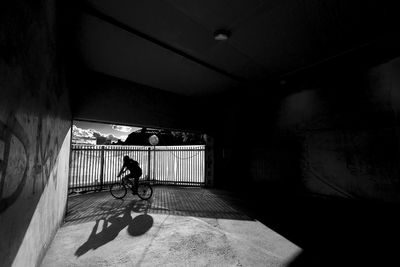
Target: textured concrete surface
34, 124
334, 134
139, 233
48, 214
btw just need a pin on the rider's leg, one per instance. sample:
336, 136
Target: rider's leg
124, 179
130, 176
136, 182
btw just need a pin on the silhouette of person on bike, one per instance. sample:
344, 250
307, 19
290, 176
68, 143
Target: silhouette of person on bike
134, 169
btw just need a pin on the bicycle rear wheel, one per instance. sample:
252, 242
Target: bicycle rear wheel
145, 191
118, 190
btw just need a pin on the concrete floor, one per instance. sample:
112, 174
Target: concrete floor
177, 227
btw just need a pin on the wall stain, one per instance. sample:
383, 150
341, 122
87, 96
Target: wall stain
11, 128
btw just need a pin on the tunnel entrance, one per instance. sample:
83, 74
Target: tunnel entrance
165, 156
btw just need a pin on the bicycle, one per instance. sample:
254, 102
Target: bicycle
119, 189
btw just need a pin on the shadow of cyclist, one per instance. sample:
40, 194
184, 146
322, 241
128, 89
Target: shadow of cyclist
143, 222
114, 224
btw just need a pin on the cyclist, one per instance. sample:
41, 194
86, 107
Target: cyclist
134, 171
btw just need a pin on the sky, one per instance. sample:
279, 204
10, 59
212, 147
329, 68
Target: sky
86, 132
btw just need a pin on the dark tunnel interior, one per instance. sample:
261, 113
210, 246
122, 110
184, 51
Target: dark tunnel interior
301, 99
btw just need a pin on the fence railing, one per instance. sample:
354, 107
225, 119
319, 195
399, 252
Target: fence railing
96, 167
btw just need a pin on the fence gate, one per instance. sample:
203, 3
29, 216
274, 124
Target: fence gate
96, 167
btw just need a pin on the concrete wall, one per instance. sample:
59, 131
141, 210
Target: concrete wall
34, 131
335, 134
98, 97
348, 128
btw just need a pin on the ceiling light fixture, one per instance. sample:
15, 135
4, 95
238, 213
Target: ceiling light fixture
221, 35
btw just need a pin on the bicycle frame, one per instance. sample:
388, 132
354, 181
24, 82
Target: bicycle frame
128, 183
145, 193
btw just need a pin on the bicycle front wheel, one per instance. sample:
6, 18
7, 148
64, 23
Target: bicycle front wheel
118, 190
145, 191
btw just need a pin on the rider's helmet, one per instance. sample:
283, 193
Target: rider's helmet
126, 158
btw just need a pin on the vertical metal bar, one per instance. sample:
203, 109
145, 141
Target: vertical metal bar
71, 172
199, 163
76, 163
94, 157
113, 155
175, 165
110, 161
104, 165
184, 172
182, 155
162, 165
189, 159
189, 169
87, 159
189, 165
81, 166
182, 168
87, 163
159, 164
88, 175
193, 163
95, 177
179, 165
116, 159
203, 159
101, 167
92, 177
111, 164
87, 180
148, 162
107, 156
154, 162
171, 165
98, 161
198, 160
85, 168
71, 180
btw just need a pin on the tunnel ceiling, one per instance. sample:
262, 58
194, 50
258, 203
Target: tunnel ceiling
169, 44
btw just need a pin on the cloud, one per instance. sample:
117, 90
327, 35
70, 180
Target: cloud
123, 137
82, 133
90, 136
125, 129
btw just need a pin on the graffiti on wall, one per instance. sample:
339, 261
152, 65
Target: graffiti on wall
45, 155
20, 158
12, 135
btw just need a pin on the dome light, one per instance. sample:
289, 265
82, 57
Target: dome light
221, 35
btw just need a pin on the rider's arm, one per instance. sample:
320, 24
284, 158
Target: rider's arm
122, 171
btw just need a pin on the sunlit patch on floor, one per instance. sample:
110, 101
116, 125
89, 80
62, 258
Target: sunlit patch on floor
176, 228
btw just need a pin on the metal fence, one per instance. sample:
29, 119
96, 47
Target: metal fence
96, 167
